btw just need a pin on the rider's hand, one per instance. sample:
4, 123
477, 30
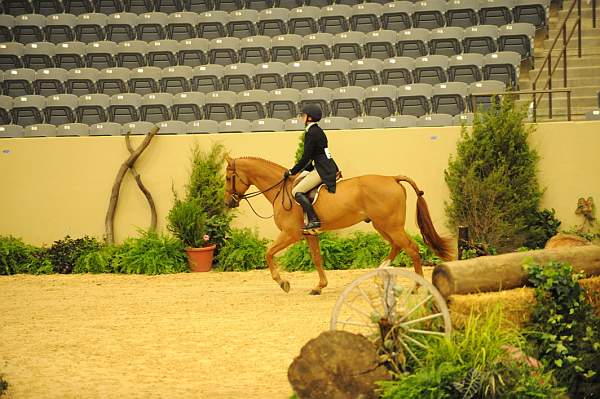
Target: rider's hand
286, 174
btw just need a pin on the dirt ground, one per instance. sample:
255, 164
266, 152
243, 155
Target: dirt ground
198, 335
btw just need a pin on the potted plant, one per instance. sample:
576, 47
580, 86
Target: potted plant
187, 221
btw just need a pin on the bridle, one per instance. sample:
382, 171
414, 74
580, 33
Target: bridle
236, 196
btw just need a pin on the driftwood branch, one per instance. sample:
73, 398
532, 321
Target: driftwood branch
138, 180
114, 195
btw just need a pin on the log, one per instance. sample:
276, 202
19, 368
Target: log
142, 187
502, 272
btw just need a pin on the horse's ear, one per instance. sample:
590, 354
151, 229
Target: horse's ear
228, 159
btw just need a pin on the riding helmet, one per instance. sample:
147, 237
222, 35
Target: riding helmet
314, 111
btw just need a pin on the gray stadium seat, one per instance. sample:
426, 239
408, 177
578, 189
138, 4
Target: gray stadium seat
156, 107
484, 87
366, 17
335, 18
502, 66
39, 55
592, 115
316, 95
60, 109
431, 69
462, 13
283, 103
335, 123
198, 6
365, 72
228, 5
169, 6
446, 41
242, 23
429, 14
535, 12
5, 107
366, 122
397, 15
105, 129
349, 45
347, 101
480, 39
10, 55
495, 12
203, 127
6, 24
51, 81
92, 108
70, 55
182, 25
101, 55
250, 104
132, 54
18, 82
138, 6
29, 28
239, 77
270, 75
90, 27
113, 80
120, 27
60, 28
286, 48
144, 80
78, 7
176, 79
211, 24
255, 49
435, 120
333, 73
207, 78
72, 130
397, 71
267, 125
400, 121
162, 53
466, 119
293, 124
413, 42
317, 47
188, 106
381, 44
273, 21
124, 107
17, 7
234, 126
258, 4
465, 68
193, 52
28, 110
303, 20
414, 99
108, 6
450, 98
290, 4
224, 50
40, 130
137, 128
301, 74
380, 100
219, 105
11, 131
152, 26
517, 37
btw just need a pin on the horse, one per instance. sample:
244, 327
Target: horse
375, 198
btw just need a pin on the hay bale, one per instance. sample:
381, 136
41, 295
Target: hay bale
562, 240
516, 304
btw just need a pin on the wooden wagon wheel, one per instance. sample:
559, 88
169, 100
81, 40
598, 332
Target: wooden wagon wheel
397, 309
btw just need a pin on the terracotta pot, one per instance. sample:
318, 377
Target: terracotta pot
200, 259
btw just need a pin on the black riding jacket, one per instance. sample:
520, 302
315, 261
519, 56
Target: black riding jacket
316, 155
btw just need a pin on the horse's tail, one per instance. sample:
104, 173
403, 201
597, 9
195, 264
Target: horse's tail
440, 245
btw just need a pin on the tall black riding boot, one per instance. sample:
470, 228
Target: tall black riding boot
313, 220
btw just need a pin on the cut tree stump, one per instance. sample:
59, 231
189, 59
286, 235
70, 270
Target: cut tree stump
337, 365
503, 272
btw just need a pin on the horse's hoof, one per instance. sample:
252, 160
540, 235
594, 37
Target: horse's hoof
285, 285
315, 291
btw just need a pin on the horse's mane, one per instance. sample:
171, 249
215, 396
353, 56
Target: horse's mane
263, 160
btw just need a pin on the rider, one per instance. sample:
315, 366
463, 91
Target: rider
316, 162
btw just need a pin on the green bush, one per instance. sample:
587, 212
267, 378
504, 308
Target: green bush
564, 328
98, 261
492, 179
473, 363
542, 226
243, 250
63, 254
152, 253
15, 256
187, 221
356, 251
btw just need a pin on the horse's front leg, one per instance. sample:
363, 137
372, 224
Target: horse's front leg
315, 253
282, 241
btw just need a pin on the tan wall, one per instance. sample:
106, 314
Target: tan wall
51, 187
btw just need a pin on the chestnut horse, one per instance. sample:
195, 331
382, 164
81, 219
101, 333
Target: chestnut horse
379, 199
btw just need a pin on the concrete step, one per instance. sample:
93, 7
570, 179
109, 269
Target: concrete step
573, 82
572, 71
586, 12
572, 51
586, 42
573, 61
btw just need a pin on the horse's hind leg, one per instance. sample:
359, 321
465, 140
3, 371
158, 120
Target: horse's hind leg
394, 251
282, 241
315, 253
401, 240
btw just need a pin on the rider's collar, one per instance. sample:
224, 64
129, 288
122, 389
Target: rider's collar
308, 125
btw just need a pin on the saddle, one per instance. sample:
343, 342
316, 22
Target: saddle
313, 194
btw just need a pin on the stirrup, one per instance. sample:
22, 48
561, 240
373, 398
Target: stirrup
312, 228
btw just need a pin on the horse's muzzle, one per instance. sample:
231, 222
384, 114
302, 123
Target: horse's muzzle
233, 203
